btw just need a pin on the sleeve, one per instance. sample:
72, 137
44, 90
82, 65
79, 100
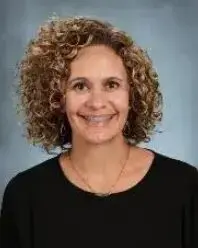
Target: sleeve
15, 215
195, 210
8, 229
190, 220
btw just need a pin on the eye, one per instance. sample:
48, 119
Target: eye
80, 86
112, 85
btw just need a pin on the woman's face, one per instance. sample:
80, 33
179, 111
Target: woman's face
97, 96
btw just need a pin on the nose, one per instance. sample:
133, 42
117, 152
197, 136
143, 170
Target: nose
96, 100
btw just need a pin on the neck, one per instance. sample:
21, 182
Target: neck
102, 159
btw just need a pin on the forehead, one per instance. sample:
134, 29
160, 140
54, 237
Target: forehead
97, 61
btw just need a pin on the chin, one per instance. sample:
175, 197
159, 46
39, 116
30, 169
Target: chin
100, 138
98, 133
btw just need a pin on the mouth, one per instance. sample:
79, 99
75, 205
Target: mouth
98, 119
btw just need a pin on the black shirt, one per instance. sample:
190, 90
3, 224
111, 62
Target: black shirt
42, 209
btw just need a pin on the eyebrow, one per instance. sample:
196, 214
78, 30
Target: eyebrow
86, 79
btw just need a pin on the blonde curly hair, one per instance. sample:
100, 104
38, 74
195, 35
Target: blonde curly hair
45, 69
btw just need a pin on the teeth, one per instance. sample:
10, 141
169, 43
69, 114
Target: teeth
97, 118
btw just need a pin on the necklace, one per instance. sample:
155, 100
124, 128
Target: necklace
85, 180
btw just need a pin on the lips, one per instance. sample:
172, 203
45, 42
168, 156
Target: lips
97, 118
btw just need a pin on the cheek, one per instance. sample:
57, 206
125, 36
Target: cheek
121, 102
73, 103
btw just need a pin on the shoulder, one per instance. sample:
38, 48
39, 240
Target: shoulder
176, 166
30, 178
176, 172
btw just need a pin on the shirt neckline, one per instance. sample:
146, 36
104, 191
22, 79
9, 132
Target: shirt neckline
75, 189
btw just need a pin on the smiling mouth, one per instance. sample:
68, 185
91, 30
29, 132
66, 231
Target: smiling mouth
95, 119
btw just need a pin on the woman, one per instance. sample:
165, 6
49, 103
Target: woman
88, 89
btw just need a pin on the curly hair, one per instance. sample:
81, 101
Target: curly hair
45, 69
